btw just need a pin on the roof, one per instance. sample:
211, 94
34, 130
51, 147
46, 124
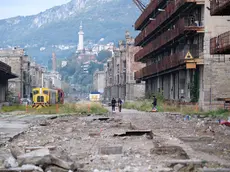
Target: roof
5, 71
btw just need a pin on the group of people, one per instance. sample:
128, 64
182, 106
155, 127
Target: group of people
114, 102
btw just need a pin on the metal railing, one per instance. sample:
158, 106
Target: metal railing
147, 12
219, 7
166, 63
172, 7
164, 38
220, 44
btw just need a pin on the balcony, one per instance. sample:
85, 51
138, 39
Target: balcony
171, 8
167, 37
169, 62
147, 13
220, 7
161, 19
220, 44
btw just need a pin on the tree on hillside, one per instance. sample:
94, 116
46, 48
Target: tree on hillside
103, 55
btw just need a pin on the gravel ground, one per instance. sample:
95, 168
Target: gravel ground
92, 143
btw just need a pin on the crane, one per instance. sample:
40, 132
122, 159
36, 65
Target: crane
140, 5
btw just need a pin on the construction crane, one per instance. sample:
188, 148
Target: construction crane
140, 5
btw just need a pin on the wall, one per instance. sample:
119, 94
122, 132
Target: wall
99, 81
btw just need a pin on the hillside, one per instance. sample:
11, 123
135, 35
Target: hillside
56, 29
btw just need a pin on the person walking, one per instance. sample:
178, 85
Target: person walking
119, 104
113, 103
154, 103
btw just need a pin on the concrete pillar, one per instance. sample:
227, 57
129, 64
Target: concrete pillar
177, 77
182, 84
158, 84
171, 86
187, 85
201, 92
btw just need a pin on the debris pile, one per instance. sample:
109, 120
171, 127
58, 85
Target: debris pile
36, 159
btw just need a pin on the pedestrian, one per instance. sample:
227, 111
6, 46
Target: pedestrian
119, 104
154, 103
113, 103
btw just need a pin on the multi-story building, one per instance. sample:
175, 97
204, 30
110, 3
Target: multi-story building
20, 65
99, 81
175, 36
120, 68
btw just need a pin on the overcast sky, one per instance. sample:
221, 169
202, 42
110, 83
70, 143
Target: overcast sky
12, 8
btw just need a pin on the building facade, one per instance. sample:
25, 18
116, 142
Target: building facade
175, 36
99, 81
119, 72
52, 80
20, 65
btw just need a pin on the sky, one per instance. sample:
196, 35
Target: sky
12, 8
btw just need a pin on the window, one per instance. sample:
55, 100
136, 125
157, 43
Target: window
45, 92
35, 92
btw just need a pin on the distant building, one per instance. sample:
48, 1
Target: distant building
80, 47
55, 79
99, 81
119, 73
20, 65
64, 63
85, 67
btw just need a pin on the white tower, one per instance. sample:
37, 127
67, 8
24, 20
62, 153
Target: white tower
81, 39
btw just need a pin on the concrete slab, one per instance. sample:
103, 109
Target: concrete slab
111, 150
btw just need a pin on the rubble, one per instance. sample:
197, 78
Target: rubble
39, 147
172, 151
35, 159
85, 144
111, 150
10, 163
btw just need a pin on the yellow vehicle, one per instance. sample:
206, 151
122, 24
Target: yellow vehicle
45, 96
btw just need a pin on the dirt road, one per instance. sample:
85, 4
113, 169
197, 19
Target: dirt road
90, 141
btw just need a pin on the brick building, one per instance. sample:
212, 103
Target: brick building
175, 36
119, 71
20, 65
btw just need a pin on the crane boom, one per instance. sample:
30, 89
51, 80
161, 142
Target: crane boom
140, 5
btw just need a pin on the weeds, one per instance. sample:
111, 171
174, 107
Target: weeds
79, 108
146, 105
13, 108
